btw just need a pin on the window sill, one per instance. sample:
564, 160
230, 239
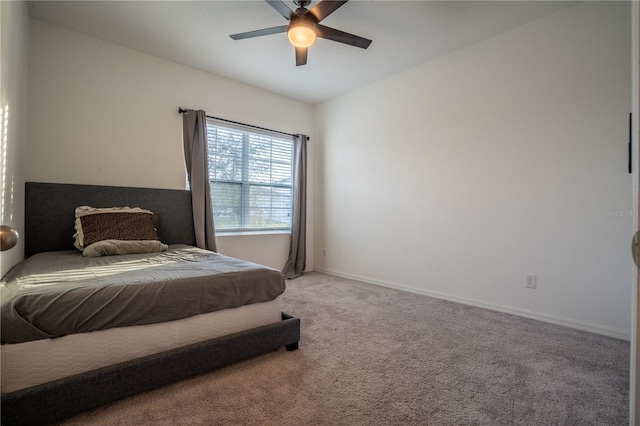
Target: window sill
248, 233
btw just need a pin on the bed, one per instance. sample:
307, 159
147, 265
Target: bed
49, 375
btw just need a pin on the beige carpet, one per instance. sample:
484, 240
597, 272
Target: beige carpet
375, 356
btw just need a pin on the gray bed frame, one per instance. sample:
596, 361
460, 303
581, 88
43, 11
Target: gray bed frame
49, 217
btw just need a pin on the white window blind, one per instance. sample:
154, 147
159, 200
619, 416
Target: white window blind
250, 171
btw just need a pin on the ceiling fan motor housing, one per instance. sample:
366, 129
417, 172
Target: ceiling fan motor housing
302, 15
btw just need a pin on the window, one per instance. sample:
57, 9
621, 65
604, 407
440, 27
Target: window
250, 172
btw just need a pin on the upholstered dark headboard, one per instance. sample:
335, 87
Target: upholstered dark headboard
50, 212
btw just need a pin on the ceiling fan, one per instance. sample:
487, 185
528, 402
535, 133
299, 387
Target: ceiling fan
304, 26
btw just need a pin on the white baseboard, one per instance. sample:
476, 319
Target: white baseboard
605, 331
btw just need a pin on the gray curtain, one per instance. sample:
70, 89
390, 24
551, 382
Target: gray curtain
297, 250
194, 128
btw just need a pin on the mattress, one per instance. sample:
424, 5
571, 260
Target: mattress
40, 361
54, 294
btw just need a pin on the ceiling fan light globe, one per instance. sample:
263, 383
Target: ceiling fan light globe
301, 36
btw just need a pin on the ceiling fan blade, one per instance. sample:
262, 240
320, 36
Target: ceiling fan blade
301, 55
342, 37
258, 33
282, 8
326, 8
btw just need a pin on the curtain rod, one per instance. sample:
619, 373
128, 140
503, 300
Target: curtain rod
183, 110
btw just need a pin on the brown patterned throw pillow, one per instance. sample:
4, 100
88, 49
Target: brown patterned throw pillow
118, 226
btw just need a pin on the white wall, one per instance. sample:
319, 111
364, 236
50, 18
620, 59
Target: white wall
458, 177
13, 117
108, 115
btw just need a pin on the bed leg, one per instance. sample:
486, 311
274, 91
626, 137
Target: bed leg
292, 346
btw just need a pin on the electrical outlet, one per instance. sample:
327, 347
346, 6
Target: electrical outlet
324, 252
530, 281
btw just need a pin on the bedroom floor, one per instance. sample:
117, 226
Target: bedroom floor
373, 355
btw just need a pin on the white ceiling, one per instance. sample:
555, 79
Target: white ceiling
196, 33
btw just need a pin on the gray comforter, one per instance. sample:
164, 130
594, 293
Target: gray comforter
58, 293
